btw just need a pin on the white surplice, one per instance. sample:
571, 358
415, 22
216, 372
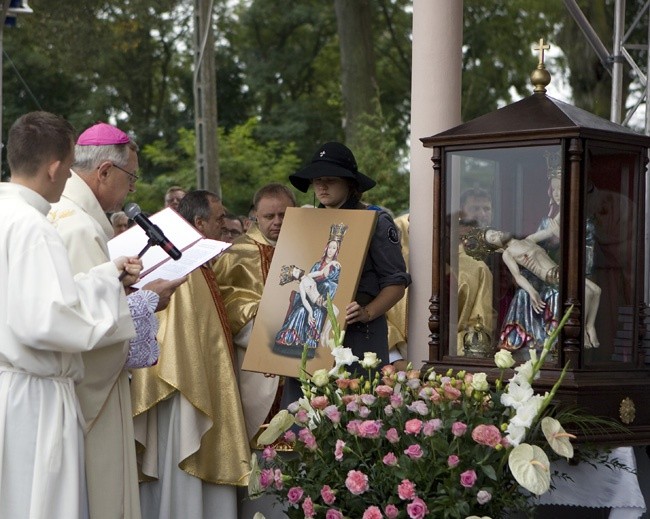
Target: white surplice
111, 469
47, 317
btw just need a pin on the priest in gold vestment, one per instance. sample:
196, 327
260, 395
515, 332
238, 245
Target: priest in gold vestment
397, 316
241, 273
193, 450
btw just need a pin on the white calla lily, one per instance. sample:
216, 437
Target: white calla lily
557, 437
531, 468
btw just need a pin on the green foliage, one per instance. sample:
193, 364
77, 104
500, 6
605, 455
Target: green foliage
378, 156
245, 165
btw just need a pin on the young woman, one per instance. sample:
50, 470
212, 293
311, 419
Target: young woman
338, 184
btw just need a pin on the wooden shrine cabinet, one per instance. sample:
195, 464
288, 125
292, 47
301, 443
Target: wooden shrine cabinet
551, 195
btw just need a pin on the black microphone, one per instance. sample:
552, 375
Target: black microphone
156, 236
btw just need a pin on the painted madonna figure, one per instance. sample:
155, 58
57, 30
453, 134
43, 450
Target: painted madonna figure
533, 313
306, 319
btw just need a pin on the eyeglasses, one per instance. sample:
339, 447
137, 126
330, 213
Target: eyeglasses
133, 178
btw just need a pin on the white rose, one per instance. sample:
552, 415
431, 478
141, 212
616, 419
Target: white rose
479, 382
483, 496
320, 378
503, 359
370, 360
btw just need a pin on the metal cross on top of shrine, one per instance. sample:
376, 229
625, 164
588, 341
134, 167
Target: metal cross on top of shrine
541, 47
540, 77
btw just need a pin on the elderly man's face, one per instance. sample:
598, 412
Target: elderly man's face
478, 209
174, 198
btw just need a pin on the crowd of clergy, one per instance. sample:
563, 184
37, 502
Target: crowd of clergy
118, 402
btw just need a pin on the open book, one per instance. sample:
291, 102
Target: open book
156, 262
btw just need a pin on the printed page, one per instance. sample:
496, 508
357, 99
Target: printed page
177, 230
198, 254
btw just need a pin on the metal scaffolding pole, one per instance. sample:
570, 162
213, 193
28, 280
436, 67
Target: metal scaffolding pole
616, 108
205, 99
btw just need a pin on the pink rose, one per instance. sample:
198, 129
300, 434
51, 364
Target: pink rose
383, 391
419, 407
413, 426
451, 393
468, 478
328, 495
290, 437
266, 478
268, 453
458, 429
452, 461
388, 410
414, 452
332, 412
320, 402
372, 512
364, 412
343, 383
356, 482
302, 416
417, 509
396, 401
306, 436
353, 427
332, 513
392, 435
406, 490
388, 370
368, 399
295, 495
308, 508
352, 406
338, 450
435, 397
431, 426
390, 459
487, 435
370, 429
391, 512
277, 479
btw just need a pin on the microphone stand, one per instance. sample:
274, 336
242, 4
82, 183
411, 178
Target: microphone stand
150, 243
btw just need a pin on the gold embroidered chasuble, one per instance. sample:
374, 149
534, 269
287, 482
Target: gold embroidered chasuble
196, 359
474, 294
397, 315
241, 273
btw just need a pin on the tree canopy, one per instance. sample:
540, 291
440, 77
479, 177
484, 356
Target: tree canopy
281, 86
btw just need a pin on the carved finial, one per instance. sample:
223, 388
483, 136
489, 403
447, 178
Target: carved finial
540, 76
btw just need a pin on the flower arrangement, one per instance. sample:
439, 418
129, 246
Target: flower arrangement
404, 444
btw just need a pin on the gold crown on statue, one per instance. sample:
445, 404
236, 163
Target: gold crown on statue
475, 245
337, 231
553, 164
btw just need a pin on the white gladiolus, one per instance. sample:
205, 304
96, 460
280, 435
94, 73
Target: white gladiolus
517, 394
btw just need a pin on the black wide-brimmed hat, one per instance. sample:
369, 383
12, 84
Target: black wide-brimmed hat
333, 159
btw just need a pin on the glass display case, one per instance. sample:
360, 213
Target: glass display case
538, 208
